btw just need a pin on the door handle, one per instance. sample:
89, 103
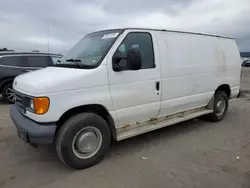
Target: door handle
157, 85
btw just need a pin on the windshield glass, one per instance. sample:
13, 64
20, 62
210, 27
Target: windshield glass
90, 51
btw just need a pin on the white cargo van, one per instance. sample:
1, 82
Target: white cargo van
116, 84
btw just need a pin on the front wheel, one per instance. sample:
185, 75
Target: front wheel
220, 106
83, 140
8, 94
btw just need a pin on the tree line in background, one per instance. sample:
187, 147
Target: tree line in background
34, 51
5, 49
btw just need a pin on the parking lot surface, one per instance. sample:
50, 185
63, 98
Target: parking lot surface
195, 153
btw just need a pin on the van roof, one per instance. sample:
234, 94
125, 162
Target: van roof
175, 31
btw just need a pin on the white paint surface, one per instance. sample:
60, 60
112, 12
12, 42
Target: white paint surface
189, 68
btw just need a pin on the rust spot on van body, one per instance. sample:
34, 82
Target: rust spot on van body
125, 126
153, 119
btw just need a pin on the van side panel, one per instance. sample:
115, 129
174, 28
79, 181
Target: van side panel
193, 67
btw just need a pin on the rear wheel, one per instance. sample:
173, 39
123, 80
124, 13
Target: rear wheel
8, 94
83, 140
220, 106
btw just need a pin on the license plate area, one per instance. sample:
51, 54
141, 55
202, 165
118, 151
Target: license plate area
22, 134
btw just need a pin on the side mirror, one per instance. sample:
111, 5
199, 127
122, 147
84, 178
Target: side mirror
117, 61
132, 57
118, 56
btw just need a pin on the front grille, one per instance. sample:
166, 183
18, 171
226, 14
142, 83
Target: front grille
20, 101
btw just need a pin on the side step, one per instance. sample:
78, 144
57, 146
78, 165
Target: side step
137, 128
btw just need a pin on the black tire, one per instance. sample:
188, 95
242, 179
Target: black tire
220, 96
6, 93
68, 132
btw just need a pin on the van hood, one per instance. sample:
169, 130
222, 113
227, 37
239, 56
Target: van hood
58, 79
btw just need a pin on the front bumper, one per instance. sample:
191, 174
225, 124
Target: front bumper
30, 131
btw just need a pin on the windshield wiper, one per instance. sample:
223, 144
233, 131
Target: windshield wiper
73, 60
78, 63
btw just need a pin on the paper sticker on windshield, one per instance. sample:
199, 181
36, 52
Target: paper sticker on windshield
111, 35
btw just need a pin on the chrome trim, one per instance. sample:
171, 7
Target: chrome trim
21, 101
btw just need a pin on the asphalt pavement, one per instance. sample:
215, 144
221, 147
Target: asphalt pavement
196, 153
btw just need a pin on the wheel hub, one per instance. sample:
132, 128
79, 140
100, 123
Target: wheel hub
220, 107
87, 142
10, 95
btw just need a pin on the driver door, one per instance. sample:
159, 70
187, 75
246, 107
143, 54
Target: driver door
136, 94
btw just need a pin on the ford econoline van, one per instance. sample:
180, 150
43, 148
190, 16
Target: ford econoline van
116, 84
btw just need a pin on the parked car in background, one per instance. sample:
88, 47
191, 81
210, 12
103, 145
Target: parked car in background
246, 63
245, 55
13, 64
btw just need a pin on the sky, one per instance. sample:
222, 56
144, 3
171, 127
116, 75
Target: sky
28, 25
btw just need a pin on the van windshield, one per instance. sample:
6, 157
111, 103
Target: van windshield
90, 51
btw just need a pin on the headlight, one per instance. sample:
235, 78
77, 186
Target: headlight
38, 105
30, 104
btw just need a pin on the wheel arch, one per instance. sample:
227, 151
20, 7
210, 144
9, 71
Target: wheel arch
225, 88
94, 108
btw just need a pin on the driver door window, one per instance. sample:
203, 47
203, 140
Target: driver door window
141, 41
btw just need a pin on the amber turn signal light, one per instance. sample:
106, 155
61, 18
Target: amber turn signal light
41, 105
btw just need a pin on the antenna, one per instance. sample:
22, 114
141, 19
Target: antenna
48, 38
